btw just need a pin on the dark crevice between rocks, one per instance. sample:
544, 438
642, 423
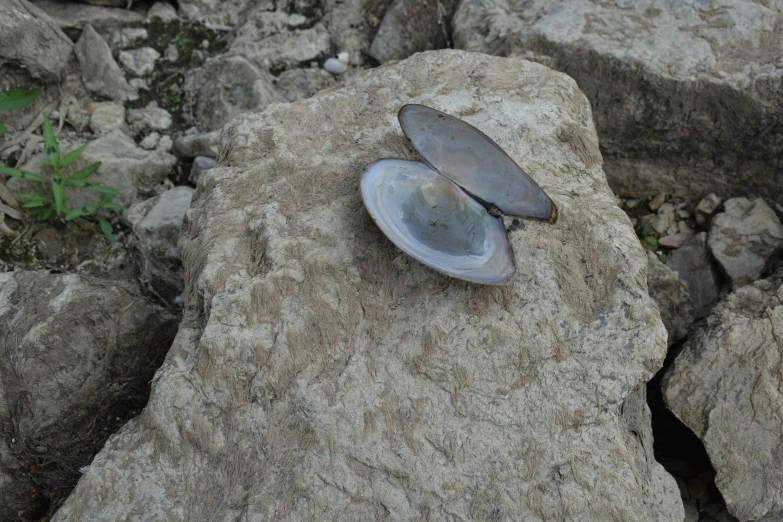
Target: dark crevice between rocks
682, 453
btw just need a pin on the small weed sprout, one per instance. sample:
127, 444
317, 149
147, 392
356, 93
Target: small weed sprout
180, 41
49, 196
175, 96
16, 99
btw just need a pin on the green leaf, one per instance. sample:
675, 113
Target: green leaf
107, 229
57, 190
17, 98
652, 240
89, 185
648, 230
44, 214
663, 259
34, 203
113, 206
72, 156
3, 130
19, 173
51, 147
84, 210
84, 173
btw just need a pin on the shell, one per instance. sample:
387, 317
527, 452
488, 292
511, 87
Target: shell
447, 214
431, 219
474, 162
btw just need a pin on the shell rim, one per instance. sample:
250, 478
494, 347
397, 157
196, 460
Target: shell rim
417, 258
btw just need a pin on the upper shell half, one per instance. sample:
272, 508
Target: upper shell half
474, 162
434, 221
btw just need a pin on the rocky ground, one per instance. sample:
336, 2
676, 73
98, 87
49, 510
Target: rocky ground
632, 371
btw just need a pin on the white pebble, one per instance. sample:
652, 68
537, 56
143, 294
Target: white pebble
338, 64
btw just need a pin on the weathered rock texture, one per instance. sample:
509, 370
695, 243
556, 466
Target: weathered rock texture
744, 237
411, 26
34, 49
671, 295
100, 72
224, 87
322, 374
73, 17
686, 95
725, 385
76, 356
157, 223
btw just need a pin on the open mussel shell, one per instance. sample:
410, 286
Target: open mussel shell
431, 219
474, 162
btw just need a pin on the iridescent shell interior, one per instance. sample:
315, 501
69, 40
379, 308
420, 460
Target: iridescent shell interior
438, 214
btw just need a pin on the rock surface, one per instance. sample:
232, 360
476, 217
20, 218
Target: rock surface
75, 356
411, 26
226, 86
694, 265
100, 72
157, 223
321, 373
72, 17
671, 295
744, 237
679, 91
205, 144
200, 165
34, 49
725, 385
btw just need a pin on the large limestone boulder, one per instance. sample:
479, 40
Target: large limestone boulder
725, 385
686, 95
76, 357
322, 374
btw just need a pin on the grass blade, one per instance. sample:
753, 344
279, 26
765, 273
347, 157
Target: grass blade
107, 229
57, 190
78, 212
85, 172
17, 98
89, 185
3, 130
72, 156
19, 173
51, 147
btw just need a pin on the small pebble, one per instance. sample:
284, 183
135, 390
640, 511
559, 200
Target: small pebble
632, 203
139, 84
171, 53
165, 144
673, 240
645, 220
684, 214
657, 201
685, 228
709, 204
150, 141
338, 64
205, 44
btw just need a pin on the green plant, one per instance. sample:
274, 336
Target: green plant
175, 96
180, 41
16, 99
49, 196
